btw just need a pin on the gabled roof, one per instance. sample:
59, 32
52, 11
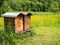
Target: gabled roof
15, 14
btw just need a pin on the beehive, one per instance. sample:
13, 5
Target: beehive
20, 21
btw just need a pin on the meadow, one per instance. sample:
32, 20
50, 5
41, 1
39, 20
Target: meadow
1, 23
46, 29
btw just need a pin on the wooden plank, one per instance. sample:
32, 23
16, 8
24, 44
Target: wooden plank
19, 24
27, 22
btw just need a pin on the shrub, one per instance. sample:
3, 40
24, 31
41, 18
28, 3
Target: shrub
9, 37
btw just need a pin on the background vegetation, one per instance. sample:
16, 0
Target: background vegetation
30, 5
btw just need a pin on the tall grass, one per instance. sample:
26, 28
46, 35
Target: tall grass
38, 22
9, 37
50, 20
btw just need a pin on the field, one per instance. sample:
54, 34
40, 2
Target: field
1, 23
46, 30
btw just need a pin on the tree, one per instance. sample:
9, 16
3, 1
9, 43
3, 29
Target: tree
29, 5
1, 2
5, 7
54, 7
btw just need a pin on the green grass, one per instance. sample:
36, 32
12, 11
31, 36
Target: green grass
1, 23
46, 29
45, 13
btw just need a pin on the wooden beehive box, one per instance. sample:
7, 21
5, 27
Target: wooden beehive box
20, 21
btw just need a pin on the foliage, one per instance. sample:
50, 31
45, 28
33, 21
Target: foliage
9, 37
54, 7
30, 5
1, 2
5, 7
